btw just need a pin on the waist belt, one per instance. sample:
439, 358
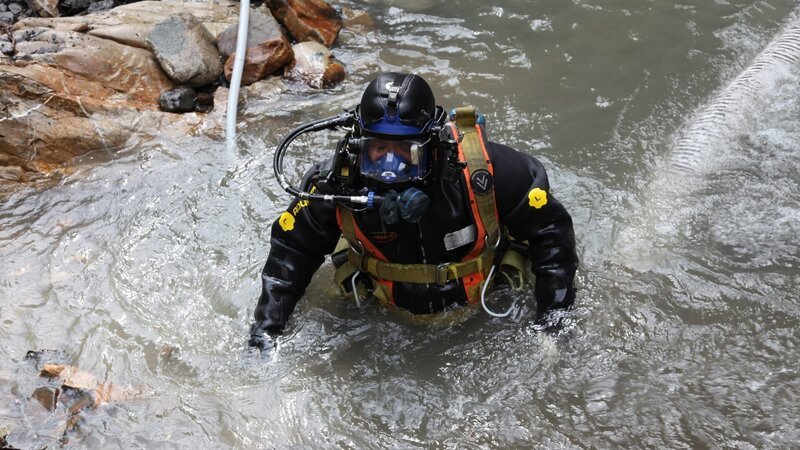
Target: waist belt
419, 273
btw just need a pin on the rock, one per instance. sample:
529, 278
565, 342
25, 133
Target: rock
93, 59
308, 20
178, 100
15, 8
131, 24
103, 5
11, 173
205, 102
73, 7
44, 8
314, 65
262, 27
262, 60
186, 51
357, 19
6, 17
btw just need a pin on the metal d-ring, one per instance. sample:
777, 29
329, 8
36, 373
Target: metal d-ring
486, 240
358, 251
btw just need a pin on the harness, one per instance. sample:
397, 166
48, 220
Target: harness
473, 270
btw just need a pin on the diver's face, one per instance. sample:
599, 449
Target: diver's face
378, 148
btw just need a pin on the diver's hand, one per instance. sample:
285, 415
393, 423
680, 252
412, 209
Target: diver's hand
262, 339
552, 321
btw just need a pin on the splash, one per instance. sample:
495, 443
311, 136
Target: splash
706, 148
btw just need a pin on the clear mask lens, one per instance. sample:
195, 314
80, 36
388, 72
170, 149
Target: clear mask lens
394, 161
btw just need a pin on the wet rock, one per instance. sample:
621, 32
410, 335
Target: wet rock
262, 60
44, 8
178, 100
11, 173
47, 397
262, 27
308, 20
95, 60
314, 65
131, 24
357, 19
186, 51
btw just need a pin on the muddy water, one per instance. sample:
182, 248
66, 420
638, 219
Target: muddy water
685, 332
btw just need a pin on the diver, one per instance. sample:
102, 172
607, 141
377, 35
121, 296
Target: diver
417, 209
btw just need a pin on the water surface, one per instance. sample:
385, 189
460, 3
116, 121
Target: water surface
690, 340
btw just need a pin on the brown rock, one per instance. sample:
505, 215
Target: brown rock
308, 20
126, 69
131, 24
314, 65
261, 27
357, 19
262, 60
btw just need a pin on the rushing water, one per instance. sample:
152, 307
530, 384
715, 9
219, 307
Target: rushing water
685, 332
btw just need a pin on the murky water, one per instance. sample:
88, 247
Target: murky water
685, 332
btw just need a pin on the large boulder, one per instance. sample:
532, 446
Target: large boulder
268, 50
96, 60
262, 60
308, 20
315, 66
186, 50
131, 24
262, 27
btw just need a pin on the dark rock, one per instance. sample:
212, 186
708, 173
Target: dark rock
261, 27
205, 103
186, 50
178, 100
73, 7
308, 20
103, 5
262, 60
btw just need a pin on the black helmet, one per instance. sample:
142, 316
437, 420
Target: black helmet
397, 104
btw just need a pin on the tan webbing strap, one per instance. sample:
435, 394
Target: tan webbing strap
419, 273
472, 145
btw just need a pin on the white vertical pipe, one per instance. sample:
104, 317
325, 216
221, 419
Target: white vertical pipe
236, 77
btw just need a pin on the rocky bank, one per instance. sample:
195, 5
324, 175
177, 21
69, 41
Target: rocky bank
92, 81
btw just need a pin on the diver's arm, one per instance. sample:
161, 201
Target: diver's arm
532, 214
301, 237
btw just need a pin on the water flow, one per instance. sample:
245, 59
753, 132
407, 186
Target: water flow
141, 268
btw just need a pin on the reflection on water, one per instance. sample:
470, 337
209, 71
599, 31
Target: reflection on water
161, 245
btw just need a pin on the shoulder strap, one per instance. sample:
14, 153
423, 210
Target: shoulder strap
478, 173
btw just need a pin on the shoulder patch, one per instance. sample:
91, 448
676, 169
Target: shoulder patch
286, 221
482, 181
537, 197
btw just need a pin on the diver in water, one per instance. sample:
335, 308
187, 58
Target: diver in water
418, 211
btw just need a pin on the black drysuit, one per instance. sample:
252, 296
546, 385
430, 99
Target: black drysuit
308, 231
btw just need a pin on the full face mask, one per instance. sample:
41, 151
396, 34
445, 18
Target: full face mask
394, 160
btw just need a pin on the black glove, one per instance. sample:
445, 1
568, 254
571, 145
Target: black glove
261, 339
